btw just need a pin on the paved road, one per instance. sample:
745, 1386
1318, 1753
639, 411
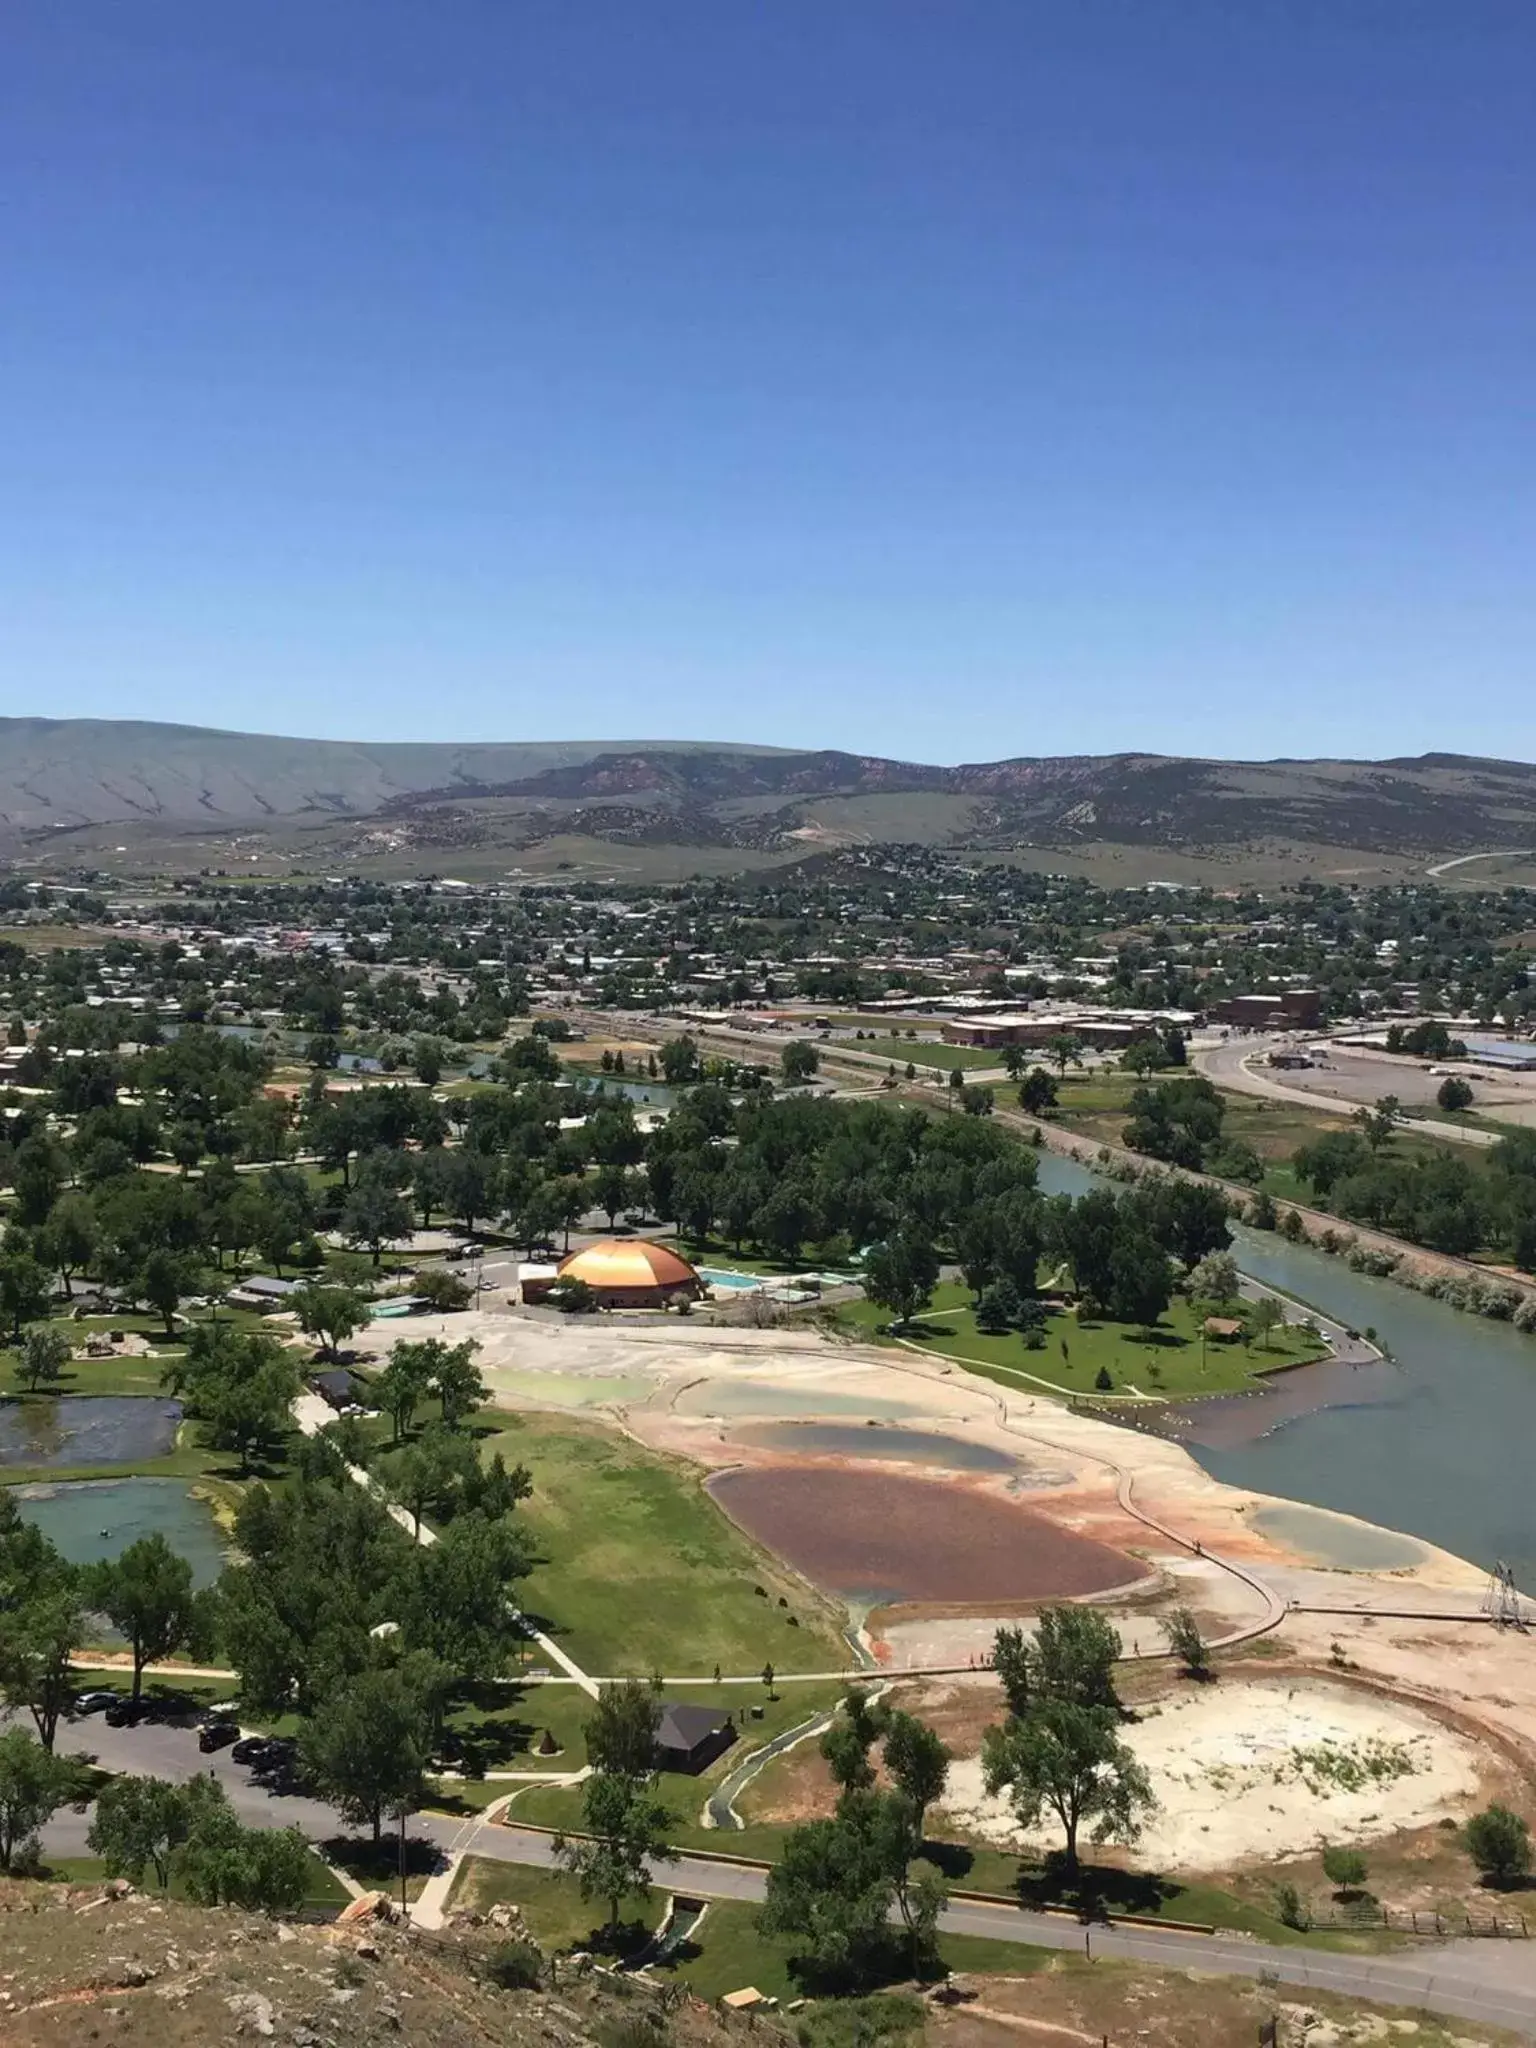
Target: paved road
1487, 1981
1491, 1982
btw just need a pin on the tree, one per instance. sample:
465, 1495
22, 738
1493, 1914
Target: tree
432, 1471
837, 1883
163, 1282
1186, 1642
241, 1384
23, 1285
998, 1309
401, 1386
1264, 1316
1065, 1048
331, 1314
44, 1354
1377, 1124
798, 1061
1499, 1843
146, 1593
374, 1215
1072, 1657
901, 1273
38, 1638
1215, 1278
367, 1747
1037, 1092
1454, 1093
457, 1381
139, 1823
918, 1761
34, 1784
680, 1061
442, 1289
626, 1831
848, 1741
220, 1862
1345, 1870
610, 1190
71, 1238
1140, 1282
1068, 1758
621, 1735
427, 1060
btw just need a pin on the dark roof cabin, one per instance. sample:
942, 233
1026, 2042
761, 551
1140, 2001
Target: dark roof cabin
689, 1738
334, 1388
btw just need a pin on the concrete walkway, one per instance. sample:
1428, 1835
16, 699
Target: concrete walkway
311, 1415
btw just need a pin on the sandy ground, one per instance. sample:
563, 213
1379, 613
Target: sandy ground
1254, 1767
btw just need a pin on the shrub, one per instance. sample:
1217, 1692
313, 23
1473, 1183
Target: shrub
1291, 1908
1525, 1315
1499, 1843
515, 1966
1104, 1380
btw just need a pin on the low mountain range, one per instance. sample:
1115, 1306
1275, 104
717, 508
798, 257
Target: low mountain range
72, 776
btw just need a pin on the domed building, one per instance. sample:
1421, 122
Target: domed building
628, 1272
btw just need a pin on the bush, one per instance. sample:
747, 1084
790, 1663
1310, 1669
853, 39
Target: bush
1291, 1908
1499, 1843
1345, 1870
516, 1966
1104, 1380
1454, 1093
1525, 1315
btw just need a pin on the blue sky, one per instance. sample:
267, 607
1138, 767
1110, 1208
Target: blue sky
943, 378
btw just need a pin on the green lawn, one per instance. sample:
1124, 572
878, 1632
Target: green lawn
642, 1571
1171, 1362
728, 1952
921, 1052
555, 1913
560, 1806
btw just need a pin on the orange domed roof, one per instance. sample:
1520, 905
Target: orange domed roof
627, 1262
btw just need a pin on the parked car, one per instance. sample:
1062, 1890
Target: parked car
256, 1750
95, 1702
221, 1710
217, 1735
125, 1713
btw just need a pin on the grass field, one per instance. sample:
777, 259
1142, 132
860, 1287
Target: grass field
642, 1571
921, 1053
684, 1793
727, 1953
1169, 1362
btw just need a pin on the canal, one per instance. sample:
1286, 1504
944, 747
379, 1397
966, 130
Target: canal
1444, 1455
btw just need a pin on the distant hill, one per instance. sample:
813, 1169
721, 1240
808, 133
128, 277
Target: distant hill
71, 775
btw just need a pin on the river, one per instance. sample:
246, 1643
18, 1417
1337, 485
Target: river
1444, 1455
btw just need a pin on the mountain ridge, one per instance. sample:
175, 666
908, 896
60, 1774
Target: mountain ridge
66, 774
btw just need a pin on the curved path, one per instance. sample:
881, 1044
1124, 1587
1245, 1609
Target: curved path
1228, 1065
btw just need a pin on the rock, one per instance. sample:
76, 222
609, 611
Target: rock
368, 1907
135, 1973
368, 1950
253, 2010
285, 1932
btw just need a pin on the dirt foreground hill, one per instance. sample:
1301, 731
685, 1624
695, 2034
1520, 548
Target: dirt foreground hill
78, 1966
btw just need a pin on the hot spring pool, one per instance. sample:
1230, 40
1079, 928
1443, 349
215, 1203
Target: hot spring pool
86, 1429
93, 1519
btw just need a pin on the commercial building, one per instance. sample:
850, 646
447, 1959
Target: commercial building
1290, 1009
1107, 1029
627, 1272
1507, 1053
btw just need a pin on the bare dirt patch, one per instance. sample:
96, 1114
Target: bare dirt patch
1268, 1768
879, 1537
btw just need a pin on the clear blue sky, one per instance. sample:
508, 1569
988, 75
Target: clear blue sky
946, 378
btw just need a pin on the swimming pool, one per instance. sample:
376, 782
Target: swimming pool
722, 1277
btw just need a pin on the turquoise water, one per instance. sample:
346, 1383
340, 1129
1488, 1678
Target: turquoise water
717, 1276
1445, 1456
94, 1519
